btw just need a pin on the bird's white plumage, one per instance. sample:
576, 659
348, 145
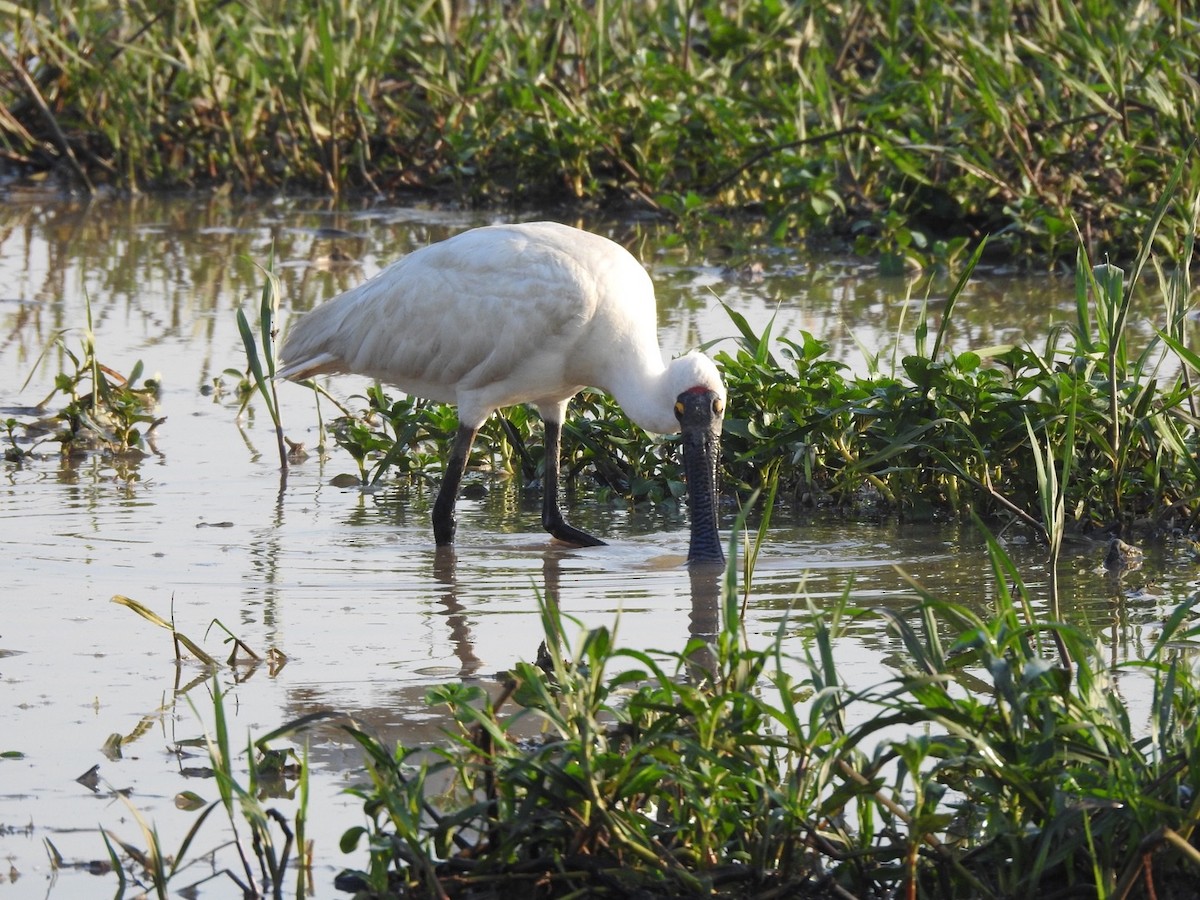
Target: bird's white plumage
503, 315
523, 314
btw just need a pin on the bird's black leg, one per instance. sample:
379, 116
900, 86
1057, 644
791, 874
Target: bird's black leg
444, 519
552, 517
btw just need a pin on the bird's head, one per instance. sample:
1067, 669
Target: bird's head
694, 374
700, 412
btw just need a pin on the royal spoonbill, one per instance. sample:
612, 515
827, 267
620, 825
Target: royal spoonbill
530, 313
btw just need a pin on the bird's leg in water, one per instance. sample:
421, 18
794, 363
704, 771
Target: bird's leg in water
552, 517
444, 519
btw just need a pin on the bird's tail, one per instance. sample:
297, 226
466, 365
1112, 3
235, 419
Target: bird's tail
322, 364
311, 345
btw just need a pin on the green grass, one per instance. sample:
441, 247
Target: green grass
261, 366
993, 757
904, 129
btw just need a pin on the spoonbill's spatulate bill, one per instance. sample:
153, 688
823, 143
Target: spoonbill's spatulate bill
528, 313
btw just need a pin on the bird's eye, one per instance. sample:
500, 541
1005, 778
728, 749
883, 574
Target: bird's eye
718, 407
678, 409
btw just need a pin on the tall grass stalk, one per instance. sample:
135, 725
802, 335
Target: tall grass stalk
1053, 474
262, 367
754, 546
243, 804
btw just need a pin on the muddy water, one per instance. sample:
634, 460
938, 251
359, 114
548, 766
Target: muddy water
346, 585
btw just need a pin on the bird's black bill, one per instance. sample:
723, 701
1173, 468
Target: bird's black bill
699, 414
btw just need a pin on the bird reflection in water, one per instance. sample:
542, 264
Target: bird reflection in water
703, 619
402, 717
444, 572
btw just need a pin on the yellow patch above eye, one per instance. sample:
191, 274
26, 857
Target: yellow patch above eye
679, 409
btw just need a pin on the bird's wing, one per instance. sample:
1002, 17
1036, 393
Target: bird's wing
489, 307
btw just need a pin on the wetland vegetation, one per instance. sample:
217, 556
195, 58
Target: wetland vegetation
998, 758
903, 129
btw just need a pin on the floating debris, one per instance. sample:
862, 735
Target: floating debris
1122, 557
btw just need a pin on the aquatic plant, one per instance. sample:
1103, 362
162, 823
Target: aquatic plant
104, 410
980, 768
178, 638
981, 764
13, 452
264, 860
266, 842
240, 652
267, 845
904, 129
262, 367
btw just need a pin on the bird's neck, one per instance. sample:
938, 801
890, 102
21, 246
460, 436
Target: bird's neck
645, 396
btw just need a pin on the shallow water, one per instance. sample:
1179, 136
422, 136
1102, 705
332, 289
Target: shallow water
347, 585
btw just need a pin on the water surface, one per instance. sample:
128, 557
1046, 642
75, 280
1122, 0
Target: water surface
347, 585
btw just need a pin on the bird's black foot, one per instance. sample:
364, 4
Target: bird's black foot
444, 520
569, 534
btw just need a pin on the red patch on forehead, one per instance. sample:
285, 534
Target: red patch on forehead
698, 390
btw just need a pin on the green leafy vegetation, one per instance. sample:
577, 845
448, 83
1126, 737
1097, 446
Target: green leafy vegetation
939, 433
986, 765
104, 410
995, 756
904, 129
261, 366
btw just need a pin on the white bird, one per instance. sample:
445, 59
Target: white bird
529, 313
